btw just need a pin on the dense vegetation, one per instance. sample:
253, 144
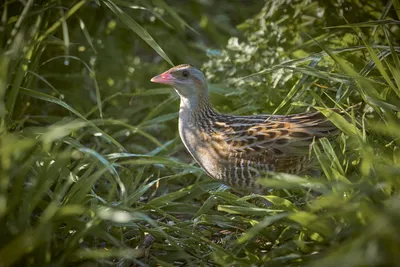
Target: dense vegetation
92, 170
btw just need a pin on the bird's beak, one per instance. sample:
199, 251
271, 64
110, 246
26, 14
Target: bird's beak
164, 78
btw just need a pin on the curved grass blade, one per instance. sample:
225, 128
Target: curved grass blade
15, 89
86, 34
64, 27
381, 68
199, 238
367, 24
206, 207
396, 5
59, 102
315, 56
340, 122
159, 108
92, 76
134, 129
364, 85
45, 81
56, 24
296, 88
383, 15
18, 24
139, 30
108, 165
393, 50
56, 132
133, 6
160, 119
161, 91
254, 231
312, 222
4, 61
102, 254
253, 211
155, 160
23, 52
174, 14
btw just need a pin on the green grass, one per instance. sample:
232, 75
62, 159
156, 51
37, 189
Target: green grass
92, 170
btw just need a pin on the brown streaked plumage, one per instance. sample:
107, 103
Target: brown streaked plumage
236, 149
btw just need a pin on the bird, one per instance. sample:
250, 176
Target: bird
237, 150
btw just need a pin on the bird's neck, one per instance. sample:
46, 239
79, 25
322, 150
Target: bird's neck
194, 109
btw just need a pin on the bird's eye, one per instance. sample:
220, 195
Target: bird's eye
185, 73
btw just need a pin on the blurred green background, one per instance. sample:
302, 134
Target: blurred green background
92, 170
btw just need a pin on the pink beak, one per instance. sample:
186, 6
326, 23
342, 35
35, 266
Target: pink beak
164, 78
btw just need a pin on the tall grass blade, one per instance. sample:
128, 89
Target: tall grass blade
381, 68
174, 14
139, 30
4, 61
396, 6
59, 22
59, 102
92, 75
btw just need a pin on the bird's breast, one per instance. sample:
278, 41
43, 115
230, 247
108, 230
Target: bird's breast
199, 145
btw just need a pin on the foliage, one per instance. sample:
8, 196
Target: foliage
92, 170
284, 41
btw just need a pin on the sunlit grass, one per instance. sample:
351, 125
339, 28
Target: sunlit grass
88, 175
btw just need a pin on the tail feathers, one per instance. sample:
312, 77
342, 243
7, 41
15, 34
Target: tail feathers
318, 125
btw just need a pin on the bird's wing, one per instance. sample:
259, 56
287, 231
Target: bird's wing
281, 141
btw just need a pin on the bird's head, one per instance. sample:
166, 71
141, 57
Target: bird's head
187, 80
